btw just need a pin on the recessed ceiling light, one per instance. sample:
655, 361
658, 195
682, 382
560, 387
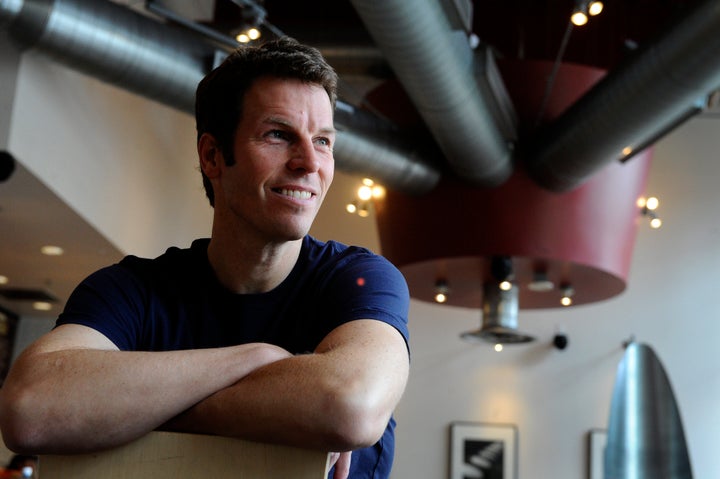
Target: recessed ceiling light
51, 250
42, 306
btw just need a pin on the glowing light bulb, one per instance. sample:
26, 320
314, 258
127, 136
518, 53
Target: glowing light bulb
566, 300
655, 223
498, 347
42, 306
51, 250
351, 208
505, 285
595, 8
378, 192
440, 298
364, 192
254, 33
4, 279
579, 19
652, 203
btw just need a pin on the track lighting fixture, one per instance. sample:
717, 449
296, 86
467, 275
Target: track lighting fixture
583, 9
368, 190
648, 207
579, 18
567, 294
441, 291
595, 8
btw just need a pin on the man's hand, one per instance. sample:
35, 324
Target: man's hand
341, 461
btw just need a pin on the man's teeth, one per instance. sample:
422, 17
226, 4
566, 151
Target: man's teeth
301, 195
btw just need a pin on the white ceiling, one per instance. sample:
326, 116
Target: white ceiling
32, 216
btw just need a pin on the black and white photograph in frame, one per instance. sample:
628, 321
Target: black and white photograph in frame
483, 451
597, 440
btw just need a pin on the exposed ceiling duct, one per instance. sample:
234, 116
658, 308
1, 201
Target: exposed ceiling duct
436, 66
114, 44
633, 106
165, 63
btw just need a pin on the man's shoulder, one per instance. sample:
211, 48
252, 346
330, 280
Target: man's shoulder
329, 258
174, 268
335, 250
173, 257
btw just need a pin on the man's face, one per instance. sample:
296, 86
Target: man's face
283, 160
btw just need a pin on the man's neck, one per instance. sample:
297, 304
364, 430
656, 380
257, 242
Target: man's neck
244, 267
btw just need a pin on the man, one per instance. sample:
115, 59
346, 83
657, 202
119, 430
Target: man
260, 332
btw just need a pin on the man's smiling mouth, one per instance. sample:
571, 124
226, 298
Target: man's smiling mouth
297, 194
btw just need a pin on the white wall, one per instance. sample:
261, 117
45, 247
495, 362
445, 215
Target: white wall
125, 164
128, 165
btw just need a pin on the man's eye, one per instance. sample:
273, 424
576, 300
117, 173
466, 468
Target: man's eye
323, 141
279, 134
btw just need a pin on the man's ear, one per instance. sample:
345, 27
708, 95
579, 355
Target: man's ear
210, 155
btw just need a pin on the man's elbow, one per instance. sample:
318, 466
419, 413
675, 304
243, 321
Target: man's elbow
359, 423
22, 429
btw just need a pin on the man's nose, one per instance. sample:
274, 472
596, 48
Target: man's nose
303, 156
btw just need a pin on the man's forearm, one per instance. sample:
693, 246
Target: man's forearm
335, 399
101, 398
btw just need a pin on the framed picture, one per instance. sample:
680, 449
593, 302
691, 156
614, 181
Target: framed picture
487, 451
597, 439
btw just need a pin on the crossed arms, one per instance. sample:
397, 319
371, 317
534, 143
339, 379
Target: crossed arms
73, 391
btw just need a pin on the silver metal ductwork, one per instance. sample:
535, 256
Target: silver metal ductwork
661, 86
436, 66
165, 63
113, 43
632, 106
499, 317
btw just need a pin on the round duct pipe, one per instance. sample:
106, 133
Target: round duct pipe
499, 317
579, 241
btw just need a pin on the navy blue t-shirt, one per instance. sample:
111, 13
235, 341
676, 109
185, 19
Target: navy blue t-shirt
175, 302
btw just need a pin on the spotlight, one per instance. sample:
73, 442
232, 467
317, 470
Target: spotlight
595, 7
647, 208
367, 191
441, 291
567, 294
579, 18
506, 285
583, 8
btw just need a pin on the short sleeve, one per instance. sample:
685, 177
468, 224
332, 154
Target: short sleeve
368, 286
111, 302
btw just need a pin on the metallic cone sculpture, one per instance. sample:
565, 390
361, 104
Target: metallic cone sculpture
645, 433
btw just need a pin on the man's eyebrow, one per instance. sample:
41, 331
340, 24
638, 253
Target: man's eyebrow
276, 120
329, 130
